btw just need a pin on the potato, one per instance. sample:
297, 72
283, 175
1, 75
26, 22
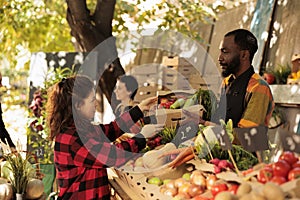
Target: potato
246, 197
272, 191
255, 195
226, 196
244, 188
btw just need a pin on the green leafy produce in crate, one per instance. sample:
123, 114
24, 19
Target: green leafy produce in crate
243, 158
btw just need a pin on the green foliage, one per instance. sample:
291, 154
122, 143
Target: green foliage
208, 100
167, 134
21, 171
37, 130
182, 16
33, 25
17, 93
281, 73
243, 158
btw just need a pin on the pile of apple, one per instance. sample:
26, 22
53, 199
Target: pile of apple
287, 168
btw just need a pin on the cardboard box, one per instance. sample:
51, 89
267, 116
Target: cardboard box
170, 117
136, 183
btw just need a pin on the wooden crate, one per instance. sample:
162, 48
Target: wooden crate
176, 83
146, 79
196, 82
176, 73
174, 61
151, 68
145, 92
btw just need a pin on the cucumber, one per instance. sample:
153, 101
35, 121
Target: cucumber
191, 101
178, 103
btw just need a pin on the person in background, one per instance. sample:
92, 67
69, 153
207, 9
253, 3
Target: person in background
125, 90
4, 135
83, 151
246, 97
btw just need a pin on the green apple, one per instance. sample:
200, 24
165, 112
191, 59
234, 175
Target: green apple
165, 181
187, 176
155, 181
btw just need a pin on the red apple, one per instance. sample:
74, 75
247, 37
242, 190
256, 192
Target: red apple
270, 78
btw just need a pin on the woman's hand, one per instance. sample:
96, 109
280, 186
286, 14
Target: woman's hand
147, 103
150, 130
184, 155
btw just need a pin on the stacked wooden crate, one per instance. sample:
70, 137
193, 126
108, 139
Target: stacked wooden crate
147, 76
179, 74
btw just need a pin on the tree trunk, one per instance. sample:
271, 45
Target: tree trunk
89, 30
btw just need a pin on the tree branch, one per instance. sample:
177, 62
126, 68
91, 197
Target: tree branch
103, 16
83, 30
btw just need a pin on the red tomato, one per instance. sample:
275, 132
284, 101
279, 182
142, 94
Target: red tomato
233, 188
288, 156
215, 189
264, 175
281, 168
294, 173
278, 180
296, 164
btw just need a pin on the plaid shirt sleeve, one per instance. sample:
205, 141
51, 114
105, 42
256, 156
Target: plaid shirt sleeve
95, 153
123, 123
97, 149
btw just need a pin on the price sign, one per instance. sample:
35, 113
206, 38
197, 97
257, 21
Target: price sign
222, 137
185, 132
253, 138
289, 140
39, 152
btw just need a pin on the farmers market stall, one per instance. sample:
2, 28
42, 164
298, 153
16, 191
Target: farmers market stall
216, 168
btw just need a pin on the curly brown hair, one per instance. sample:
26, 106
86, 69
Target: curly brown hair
62, 97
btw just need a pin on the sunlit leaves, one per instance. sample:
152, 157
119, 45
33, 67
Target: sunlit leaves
36, 25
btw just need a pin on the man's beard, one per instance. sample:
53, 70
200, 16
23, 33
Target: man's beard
232, 67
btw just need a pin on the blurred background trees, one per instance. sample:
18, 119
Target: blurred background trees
52, 26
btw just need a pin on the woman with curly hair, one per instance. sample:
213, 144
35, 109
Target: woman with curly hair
83, 151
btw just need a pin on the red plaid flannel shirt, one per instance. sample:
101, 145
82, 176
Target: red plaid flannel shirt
81, 161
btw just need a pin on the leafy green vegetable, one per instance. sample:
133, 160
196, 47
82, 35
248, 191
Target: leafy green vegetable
243, 158
208, 100
167, 134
